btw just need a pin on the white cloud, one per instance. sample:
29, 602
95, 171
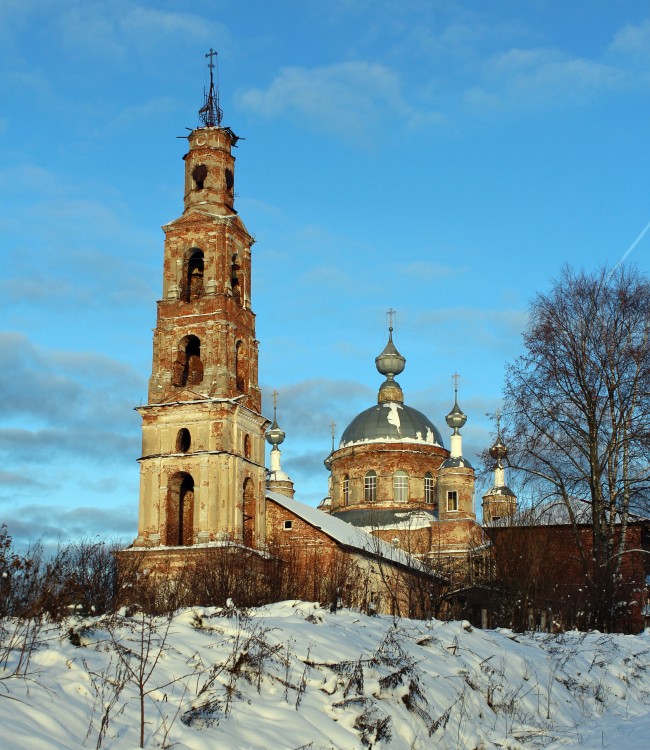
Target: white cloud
347, 98
539, 78
633, 41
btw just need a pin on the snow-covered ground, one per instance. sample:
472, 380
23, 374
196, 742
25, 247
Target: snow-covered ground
294, 675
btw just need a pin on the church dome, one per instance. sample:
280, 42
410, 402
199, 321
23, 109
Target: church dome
390, 421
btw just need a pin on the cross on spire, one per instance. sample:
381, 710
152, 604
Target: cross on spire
456, 378
275, 395
333, 430
210, 113
391, 315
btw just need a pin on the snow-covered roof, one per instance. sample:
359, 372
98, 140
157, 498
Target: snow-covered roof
347, 534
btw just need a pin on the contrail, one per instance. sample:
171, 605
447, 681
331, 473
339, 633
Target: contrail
630, 248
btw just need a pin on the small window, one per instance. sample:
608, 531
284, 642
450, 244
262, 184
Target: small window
395, 542
400, 486
183, 441
345, 490
370, 487
247, 446
288, 525
452, 500
429, 497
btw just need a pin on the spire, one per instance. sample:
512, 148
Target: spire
455, 420
275, 436
499, 452
210, 113
328, 460
276, 479
390, 363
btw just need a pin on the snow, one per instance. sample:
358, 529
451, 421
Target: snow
393, 414
294, 675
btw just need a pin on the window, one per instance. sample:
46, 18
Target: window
429, 496
183, 441
345, 490
240, 379
247, 446
188, 368
400, 486
194, 280
288, 525
452, 500
370, 487
199, 173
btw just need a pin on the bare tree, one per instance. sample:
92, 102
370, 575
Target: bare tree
577, 413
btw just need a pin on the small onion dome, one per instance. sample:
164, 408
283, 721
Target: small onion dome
456, 462
275, 435
456, 419
390, 363
498, 451
502, 491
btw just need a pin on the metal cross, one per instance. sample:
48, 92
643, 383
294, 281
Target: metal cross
391, 314
333, 429
455, 377
211, 54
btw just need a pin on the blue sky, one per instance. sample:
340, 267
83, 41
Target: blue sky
444, 159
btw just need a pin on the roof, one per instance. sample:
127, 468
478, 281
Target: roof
388, 518
391, 421
456, 462
347, 534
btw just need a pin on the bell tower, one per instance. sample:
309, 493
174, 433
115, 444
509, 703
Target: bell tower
202, 473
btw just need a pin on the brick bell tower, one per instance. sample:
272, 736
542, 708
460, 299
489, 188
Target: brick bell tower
202, 475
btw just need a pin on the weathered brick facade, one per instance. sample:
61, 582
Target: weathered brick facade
202, 465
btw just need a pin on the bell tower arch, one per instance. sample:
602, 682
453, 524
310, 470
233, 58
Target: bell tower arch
202, 430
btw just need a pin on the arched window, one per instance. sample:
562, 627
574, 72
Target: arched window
248, 512
183, 440
235, 268
194, 278
345, 490
180, 510
429, 494
370, 487
240, 366
247, 446
400, 486
188, 369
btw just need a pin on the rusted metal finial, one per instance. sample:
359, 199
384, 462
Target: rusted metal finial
210, 113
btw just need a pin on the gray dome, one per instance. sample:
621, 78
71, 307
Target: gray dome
391, 422
456, 462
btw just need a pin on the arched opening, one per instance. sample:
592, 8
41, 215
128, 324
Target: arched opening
230, 179
247, 446
370, 487
345, 490
248, 512
183, 440
199, 173
240, 366
188, 369
235, 268
194, 277
180, 510
400, 486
